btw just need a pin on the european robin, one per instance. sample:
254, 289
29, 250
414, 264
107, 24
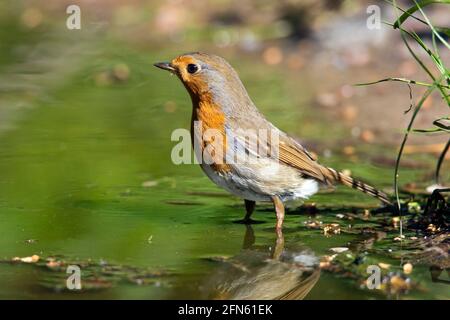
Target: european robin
221, 103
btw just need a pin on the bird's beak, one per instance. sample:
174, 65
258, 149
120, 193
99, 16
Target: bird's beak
165, 66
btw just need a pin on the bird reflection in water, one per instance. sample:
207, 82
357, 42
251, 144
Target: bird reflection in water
264, 273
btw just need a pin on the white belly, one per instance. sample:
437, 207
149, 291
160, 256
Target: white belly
262, 181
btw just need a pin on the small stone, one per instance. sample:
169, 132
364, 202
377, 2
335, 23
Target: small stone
339, 249
273, 55
407, 268
348, 150
384, 265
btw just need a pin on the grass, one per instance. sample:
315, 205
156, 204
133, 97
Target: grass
439, 82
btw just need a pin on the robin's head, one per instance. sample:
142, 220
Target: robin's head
205, 74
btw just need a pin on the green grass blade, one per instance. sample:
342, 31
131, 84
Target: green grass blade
416, 7
431, 25
440, 160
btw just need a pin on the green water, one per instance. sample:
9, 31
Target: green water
73, 175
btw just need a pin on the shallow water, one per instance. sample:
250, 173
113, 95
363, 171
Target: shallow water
86, 178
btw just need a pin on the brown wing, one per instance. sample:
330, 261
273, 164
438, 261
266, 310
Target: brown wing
293, 154
290, 152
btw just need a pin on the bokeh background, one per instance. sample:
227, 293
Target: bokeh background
85, 124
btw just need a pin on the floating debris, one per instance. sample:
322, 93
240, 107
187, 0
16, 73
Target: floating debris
32, 259
331, 228
314, 224
96, 275
395, 283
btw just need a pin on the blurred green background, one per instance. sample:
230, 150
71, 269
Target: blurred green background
85, 125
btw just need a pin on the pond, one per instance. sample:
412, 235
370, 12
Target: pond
86, 179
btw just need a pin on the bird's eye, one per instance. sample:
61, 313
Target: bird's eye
192, 68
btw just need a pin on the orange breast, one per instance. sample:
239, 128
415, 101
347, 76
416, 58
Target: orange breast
212, 117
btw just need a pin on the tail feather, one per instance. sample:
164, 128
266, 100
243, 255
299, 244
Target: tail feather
361, 186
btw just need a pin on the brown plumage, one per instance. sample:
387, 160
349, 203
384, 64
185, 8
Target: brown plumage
220, 102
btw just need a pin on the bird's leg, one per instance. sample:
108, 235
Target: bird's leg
249, 208
279, 245
279, 209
